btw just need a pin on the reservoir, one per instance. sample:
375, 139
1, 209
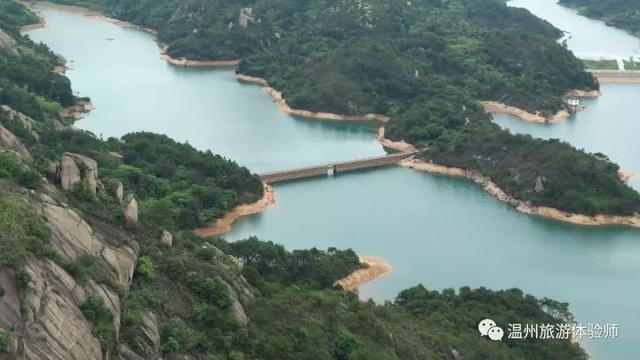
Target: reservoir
439, 231
587, 38
133, 90
609, 125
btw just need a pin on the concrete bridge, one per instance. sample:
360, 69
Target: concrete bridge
331, 169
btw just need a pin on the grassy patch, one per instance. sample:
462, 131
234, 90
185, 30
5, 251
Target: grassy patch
631, 65
94, 310
601, 64
22, 229
5, 334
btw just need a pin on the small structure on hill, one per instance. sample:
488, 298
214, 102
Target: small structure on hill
573, 103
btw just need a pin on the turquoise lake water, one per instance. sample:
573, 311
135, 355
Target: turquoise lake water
439, 231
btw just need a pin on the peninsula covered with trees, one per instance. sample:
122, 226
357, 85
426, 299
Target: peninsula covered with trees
426, 64
97, 244
623, 14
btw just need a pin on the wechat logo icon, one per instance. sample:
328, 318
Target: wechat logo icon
487, 327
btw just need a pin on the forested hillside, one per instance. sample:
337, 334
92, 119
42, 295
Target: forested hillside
98, 260
357, 57
624, 14
423, 63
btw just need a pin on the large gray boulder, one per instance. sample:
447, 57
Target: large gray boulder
88, 168
7, 44
13, 144
116, 189
540, 184
68, 172
19, 118
166, 239
131, 211
10, 315
74, 168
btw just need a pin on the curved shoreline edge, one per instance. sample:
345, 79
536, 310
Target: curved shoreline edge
284, 107
196, 63
223, 225
35, 5
522, 206
396, 145
498, 107
375, 269
401, 146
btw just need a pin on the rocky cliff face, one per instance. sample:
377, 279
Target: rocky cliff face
73, 237
7, 43
13, 144
43, 302
54, 326
46, 316
19, 118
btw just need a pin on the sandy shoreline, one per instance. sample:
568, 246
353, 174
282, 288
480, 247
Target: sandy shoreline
284, 107
36, 5
522, 206
497, 107
223, 224
377, 268
197, 63
401, 145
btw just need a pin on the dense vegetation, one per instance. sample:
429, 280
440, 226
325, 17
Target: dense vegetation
572, 180
298, 314
426, 64
22, 229
191, 286
177, 185
26, 78
378, 56
611, 64
624, 14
